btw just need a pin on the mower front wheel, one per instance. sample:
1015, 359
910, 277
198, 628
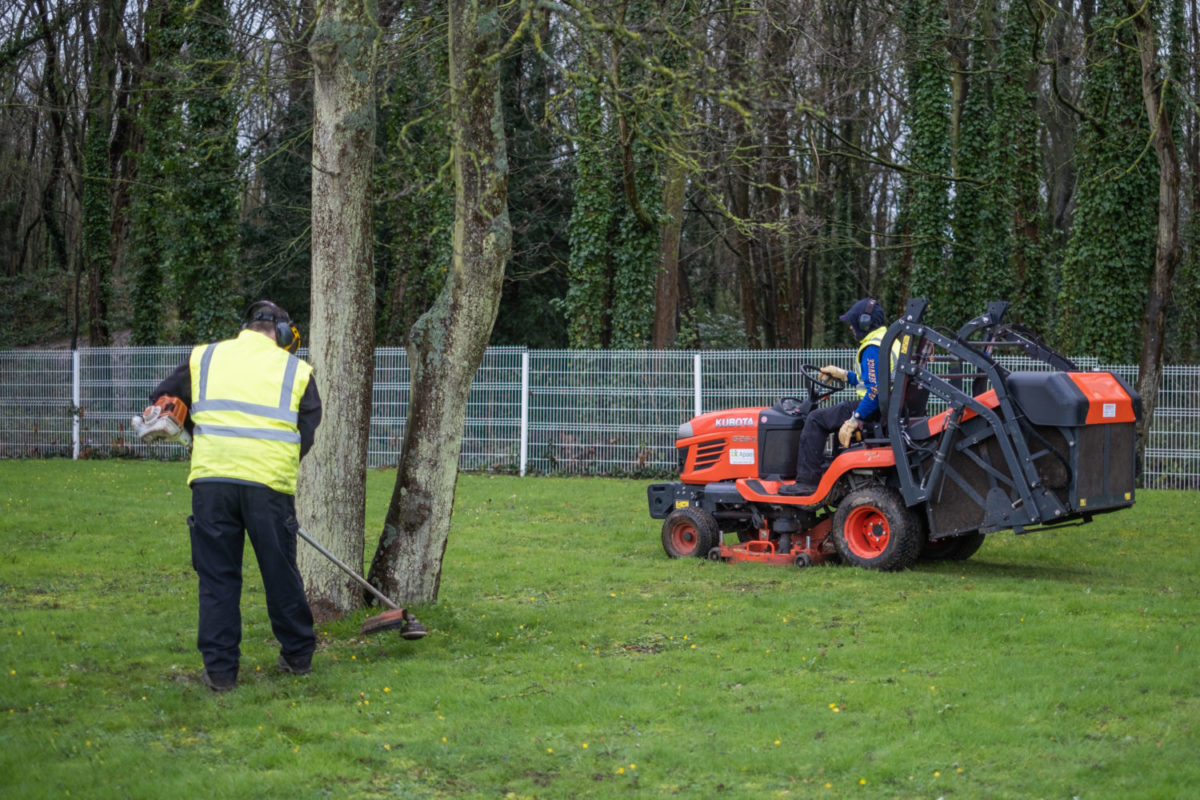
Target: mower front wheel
873, 529
690, 533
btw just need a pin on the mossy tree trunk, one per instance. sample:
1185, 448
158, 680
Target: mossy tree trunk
1167, 250
332, 488
447, 343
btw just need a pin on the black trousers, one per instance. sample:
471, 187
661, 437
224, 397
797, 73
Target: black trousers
810, 460
220, 514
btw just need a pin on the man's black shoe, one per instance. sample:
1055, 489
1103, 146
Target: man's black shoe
294, 667
797, 489
219, 681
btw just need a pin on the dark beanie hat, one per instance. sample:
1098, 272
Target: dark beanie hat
861, 307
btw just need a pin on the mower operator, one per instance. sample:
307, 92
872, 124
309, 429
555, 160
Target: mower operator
866, 319
255, 409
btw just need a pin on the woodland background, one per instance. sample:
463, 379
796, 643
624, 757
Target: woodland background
683, 173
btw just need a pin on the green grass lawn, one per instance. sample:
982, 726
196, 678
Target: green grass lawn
568, 657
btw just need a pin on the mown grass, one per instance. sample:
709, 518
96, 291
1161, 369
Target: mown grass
570, 658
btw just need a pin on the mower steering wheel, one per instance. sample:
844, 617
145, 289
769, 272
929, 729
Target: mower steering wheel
820, 385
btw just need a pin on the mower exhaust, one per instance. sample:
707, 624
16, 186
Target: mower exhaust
395, 619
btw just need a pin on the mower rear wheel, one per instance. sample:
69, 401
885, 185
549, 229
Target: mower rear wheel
873, 529
690, 533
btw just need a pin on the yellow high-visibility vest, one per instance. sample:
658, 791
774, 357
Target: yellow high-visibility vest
875, 337
245, 404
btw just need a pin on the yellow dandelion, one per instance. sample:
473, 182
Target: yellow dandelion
937, 774
387, 747
829, 786
777, 743
620, 770
550, 750
387, 689
585, 745
443, 739
862, 781
633, 766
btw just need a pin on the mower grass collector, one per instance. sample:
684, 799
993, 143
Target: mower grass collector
1012, 449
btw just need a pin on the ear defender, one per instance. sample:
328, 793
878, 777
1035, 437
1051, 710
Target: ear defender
287, 335
864, 320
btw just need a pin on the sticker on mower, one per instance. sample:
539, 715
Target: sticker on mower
682, 503
741, 455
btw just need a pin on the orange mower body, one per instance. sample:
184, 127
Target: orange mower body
1007, 450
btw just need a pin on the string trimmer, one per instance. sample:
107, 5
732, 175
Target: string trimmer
408, 625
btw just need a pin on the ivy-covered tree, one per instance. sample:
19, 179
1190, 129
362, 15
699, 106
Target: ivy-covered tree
589, 295
203, 178
978, 264
97, 171
615, 229
1015, 131
927, 153
1111, 251
151, 214
996, 244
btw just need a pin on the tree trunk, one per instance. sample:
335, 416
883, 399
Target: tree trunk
332, 488
666, 288
447, 343
1167, 248
739, 176
97, 170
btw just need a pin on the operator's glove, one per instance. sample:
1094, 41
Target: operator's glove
836, 373
848, 429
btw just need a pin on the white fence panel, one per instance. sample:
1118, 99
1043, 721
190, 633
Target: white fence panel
598, 412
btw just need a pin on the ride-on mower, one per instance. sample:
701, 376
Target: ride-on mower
1012, 449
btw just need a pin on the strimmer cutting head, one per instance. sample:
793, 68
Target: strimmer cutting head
396, 619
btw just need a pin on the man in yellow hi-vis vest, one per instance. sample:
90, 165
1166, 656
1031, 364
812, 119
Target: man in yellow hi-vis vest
866, 319
254, 412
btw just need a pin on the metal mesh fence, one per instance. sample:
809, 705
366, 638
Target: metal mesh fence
36, 403
545, 411
492, 431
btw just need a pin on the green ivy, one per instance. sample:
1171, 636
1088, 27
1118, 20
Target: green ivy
203, 180
1017, 150
927, 149
1111, 251
591, 228
150, 214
